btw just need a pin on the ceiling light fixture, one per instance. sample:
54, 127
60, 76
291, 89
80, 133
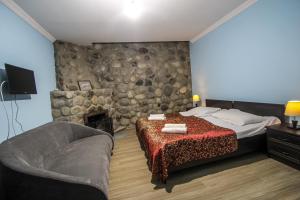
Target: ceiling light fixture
132, 9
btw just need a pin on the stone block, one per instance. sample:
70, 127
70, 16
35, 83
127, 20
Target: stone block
78, 101
65, 111
75, 110
58, 103
56, 113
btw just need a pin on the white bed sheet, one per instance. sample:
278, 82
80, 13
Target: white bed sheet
247, 130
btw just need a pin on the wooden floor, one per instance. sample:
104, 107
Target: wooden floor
250, 177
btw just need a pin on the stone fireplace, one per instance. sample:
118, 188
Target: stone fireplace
99, 120
129, 80
74, 105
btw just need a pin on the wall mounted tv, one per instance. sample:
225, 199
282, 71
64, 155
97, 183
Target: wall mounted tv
20, 80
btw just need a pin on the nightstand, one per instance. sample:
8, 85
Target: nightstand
284, 144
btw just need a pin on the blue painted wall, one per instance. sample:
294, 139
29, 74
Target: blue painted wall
23, 46
253, 57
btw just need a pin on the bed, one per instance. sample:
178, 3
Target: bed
206, 141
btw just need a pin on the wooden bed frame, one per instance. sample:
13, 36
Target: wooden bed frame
245, 145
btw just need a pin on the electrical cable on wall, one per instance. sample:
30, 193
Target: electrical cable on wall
12, 117
6, 113
16, 118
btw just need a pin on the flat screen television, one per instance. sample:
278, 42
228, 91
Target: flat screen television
20, 80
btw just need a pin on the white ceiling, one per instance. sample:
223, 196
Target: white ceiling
87, 21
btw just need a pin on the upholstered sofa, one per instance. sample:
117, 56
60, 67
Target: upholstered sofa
57, 161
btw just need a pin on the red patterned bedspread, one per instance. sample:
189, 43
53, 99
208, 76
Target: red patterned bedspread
203, 140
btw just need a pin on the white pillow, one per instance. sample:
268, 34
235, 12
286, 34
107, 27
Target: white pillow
200, 111
238, 117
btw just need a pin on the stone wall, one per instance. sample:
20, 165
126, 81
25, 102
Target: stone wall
144, 77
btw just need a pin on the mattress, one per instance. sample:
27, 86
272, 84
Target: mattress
247, 130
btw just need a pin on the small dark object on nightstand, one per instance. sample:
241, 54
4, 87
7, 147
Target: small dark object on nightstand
294, 125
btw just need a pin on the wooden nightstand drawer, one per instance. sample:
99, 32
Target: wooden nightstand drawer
284, 151
284, 144
284, 137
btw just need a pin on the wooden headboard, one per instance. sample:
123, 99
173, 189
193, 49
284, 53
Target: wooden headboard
262, 109
219, 103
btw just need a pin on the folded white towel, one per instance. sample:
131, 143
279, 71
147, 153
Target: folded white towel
156, 118
174, 130
175, 125
157, 115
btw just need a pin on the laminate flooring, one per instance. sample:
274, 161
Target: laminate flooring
253, 176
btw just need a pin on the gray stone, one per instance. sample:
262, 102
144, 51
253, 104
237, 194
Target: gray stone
147, 58
94, 100
185, 101
171, 104
132, 79
130, 94
78, 101
69, 94
108, 77
149, 72
180, 70
72, 87
87, 103
148, 82
172, 81
75, 110
140, 96
124, 121
58, 93
164, 107
143, 50
58, 103
133, 101
108, 92
116, 65
141, 65
150, 95
139, 82
124, 102
98, 92
63, 119
177, 85
122, 95
65, 111
144, 109
151, 101
143, 102
56, 113
133, 120
101, 100
168, 89
131, 86
174, 97
158, 92
141, 90
151, 89
122, 88
69, 102
123, 110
